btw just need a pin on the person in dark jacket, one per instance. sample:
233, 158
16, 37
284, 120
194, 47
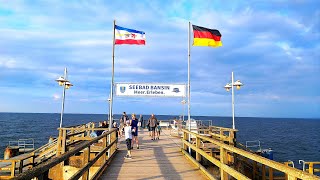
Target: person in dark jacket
152, 122
134, 127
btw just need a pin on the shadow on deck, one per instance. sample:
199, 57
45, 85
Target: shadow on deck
159, 159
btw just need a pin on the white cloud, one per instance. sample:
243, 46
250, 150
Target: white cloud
8, 62
89, 42
260, 44
56, 97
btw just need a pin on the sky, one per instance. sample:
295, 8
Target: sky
272, 46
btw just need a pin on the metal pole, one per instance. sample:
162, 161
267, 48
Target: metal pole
183, 102
112, 79
233, 123
189, 90
63, 96
109, 107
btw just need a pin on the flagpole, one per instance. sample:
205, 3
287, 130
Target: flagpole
112, 79
189, 90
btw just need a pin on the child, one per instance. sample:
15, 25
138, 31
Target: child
128, 137
158, 129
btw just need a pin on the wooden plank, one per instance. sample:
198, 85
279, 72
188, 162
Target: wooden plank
160, 159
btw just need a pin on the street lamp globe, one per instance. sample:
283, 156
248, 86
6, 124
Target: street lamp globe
68, 85
61, 80
238, 84
228, 87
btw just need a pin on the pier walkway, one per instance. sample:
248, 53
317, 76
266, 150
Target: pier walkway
159, 159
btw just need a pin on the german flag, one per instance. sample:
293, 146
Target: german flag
206, 37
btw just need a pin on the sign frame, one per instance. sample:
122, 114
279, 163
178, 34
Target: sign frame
150, 95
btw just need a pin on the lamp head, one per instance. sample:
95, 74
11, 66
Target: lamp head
68, 85
227, 87
61, 80
238, 84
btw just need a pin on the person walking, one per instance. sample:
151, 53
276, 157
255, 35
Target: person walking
142, 123
123, 119
158, 130
152, 122
128, 137
134, 127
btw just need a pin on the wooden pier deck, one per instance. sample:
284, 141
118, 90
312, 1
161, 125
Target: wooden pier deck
159, 159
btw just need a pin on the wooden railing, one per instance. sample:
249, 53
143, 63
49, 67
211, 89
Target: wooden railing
223, 134
93, 159
228, 168
16, 165
24, 161
311, 169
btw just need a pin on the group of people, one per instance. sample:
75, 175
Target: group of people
131, 126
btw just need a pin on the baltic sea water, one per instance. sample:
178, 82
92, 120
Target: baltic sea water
290, 138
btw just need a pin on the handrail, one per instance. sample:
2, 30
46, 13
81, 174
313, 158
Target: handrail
91, 162
13, 164
44, 167
291, 172
311, 169
84, 128
222, 128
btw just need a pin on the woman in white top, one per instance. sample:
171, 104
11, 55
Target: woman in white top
128, 137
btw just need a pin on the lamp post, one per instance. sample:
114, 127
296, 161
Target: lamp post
183, 102
110, 114
229, 86
63, 81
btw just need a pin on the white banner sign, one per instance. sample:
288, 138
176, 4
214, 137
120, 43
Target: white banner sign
151, 89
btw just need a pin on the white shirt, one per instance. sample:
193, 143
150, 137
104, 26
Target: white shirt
127, 132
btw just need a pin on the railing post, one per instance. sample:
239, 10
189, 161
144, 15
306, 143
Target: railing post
231, 137
115, 138
86, 159
57, 171
72, 131
59, 143
13, 168
254, 172
223, 160
85, 131
104, 145
185, 137
31, 160
311, 168
263, 172
64, 141
270, 173
20, 166
114, 146
198, 155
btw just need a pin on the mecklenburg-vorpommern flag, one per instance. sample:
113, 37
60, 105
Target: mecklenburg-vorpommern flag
129, 36
206, 37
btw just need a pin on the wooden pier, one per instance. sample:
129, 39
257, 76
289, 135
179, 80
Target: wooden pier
159, 159
76, 154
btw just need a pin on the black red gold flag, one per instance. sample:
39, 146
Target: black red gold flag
206, 37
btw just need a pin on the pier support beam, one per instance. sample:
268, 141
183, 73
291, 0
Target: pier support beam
198, 155
223, 160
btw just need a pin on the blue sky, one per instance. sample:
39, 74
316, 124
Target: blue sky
273, 47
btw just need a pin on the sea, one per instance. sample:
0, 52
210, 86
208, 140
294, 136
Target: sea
290, 138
